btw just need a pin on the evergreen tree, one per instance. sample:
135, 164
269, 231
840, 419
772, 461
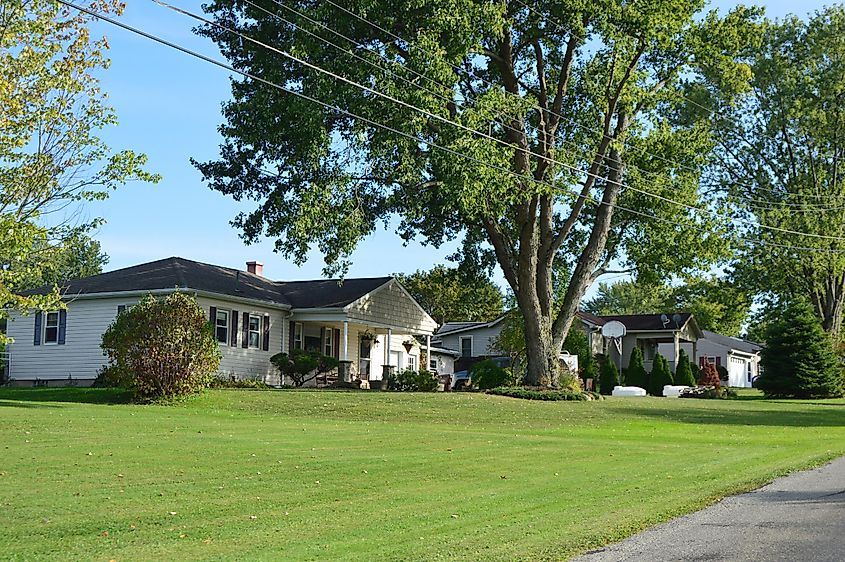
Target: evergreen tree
635, 374
609, 377
683, 370
798, 360
660, 375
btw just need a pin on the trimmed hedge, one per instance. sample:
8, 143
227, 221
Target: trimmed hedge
549, 395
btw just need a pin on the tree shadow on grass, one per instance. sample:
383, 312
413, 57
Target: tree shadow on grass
820, 416
31, 397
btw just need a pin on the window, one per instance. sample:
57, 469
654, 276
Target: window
221, 326
466, 346
254, 331
412, 362
297, 335
51, 327
749, 371
432, 365
328, 342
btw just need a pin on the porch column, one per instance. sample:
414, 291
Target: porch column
387, 347
427, 352
677, 344
346, 340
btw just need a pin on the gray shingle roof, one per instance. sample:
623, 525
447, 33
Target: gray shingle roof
732, 343
178, 272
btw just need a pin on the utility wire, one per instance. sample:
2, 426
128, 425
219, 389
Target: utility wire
340, 110
551, 161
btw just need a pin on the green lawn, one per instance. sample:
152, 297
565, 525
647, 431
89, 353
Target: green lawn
316, 475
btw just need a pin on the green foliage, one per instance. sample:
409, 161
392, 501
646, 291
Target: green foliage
718, 305
709, 376
547, 395
51, 158
503, 184
709, 392
486, 375
222, 382
409, 380
608, 377
798, 360
783, 168
576, 343
683, 371
113, 376
451, 294
660, 376
167, 345
635, 374
301, 366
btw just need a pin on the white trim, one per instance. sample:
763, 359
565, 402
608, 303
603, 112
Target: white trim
471, 345
476, 326
250, 331
209, 294
393, 280
328, 341
298, 326
47, 314
227, 326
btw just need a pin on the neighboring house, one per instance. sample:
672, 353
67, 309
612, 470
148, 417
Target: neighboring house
741, 358
441, 361
472, 341
362, 322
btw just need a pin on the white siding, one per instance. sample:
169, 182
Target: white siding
390, 305
87, 319
79, 358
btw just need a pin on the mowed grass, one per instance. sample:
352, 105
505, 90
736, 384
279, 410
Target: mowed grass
321, 475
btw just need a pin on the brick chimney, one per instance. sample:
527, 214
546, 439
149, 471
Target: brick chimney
255, 267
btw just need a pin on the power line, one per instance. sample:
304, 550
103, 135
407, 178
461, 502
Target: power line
340, 110
446, 121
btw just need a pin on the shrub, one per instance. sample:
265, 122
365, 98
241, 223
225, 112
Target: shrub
112, 376
302, 366
167, 345
486, 374
543, 394
410, 380
799, 360
708, 392
709, 376
660, 375
683, 371
608, 377
220, 382
635, 374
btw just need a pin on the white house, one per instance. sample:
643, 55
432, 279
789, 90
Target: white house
741, 358
363, 322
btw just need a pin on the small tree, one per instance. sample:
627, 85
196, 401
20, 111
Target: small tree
709, 376
166, 345
635, 374
683, 370
608, 377
798, 359
303, 366
660, 375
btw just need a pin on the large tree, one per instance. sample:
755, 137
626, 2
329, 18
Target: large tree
451, 294
51, 159
519, 127
782, 153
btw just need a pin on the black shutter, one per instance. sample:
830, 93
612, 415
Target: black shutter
120, 309
212, 318
337, 344
234, 342
291, 333
322, 348
37, 339
62, 326
266, 343
245, 330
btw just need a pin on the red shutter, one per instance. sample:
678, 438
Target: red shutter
701, 362
245, 331
718, 361
234, 338
266, 343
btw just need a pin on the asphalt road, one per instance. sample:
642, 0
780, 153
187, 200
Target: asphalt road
796, 518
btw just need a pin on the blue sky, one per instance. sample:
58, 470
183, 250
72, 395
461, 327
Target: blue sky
168, 105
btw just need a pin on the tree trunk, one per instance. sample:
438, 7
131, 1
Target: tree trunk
829, 305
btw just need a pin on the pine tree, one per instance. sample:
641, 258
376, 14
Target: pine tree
660, 375
683, 370
635, 374
798, 360
609, 377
